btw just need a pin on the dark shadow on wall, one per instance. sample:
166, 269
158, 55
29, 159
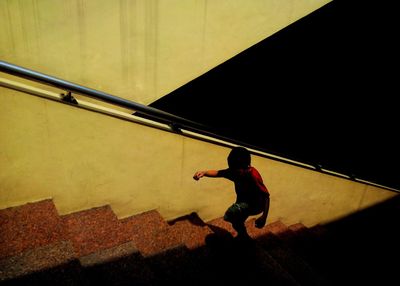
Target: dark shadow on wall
319, 90
361, 248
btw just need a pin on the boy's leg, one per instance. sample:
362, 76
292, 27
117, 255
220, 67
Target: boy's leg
240, 228
237, 215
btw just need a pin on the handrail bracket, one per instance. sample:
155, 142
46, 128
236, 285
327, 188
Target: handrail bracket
68, 98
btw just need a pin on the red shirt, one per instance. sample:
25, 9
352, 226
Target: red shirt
249, 185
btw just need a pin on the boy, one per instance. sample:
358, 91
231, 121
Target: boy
252, 196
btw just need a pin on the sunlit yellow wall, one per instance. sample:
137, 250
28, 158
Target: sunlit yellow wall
84, 159
140, 50
137, 49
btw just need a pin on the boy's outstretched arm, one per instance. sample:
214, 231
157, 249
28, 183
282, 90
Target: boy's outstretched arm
207, 173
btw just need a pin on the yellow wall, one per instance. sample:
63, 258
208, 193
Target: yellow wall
137, 49
84, 159
141, 50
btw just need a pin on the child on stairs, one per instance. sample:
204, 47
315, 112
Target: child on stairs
252, 196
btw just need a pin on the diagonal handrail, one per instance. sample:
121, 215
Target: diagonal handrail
176, 123
96, 94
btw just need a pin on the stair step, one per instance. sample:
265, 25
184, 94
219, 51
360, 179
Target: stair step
309, 246
243, 262
93, 230
297, 227
255, 232
93, 246
189, 230
29, 226
303, 240
109, 255
172, 266
221, 227
149, 232
276, 272
56, 259
278, 228
293, 263
120, 265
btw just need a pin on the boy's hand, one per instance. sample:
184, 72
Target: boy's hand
260, 222
198, 175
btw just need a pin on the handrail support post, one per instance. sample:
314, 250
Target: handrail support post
68, 98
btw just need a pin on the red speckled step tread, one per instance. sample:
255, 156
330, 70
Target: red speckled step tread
37, 259
222, 227
93, 230
89, 231
29, 226
278, 227
219, 225
109, 254
149, 232
189, 230
152, 234
297, 227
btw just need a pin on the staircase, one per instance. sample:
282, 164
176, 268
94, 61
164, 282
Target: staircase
40, 247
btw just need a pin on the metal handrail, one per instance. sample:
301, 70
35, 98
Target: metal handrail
99, 95
176, 123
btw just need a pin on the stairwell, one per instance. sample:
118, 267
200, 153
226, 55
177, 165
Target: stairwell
40, 247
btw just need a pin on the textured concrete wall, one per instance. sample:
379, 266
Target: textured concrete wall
84, 159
